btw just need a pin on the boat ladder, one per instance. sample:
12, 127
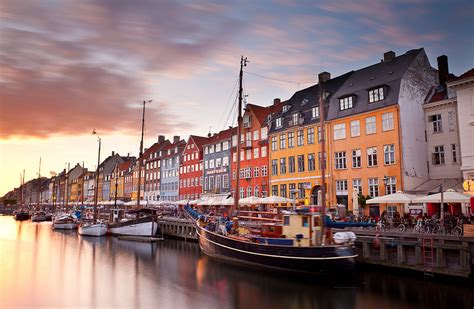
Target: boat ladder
428, 256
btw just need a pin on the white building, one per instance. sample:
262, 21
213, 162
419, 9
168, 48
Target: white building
464, 87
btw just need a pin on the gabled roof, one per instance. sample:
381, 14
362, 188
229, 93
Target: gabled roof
220, 136
466, 75
260, 112
180, 145
386, 73
198, 140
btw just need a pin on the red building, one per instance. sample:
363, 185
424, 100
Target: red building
254, 162
191, 169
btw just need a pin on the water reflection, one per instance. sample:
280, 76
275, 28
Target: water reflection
41, 267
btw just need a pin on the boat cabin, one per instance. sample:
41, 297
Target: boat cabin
303, 227
116, 215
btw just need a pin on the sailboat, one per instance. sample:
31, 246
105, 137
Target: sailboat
303, 247
94, 227
22, 214
39, 215
137, 222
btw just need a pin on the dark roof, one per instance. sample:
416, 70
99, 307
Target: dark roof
198, 140
467, 74
304, 100
180, 145
385, 73
220, 136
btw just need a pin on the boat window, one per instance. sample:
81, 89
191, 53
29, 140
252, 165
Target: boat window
305, 221
286, 220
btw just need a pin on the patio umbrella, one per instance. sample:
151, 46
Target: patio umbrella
396, 198
181, 202
450, 196
251, 200
273, 199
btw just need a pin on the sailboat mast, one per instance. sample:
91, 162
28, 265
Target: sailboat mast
321, 80
39, 185
96, 191
243, 63
140, 155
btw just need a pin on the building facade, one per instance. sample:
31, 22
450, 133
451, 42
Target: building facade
191, 169
169, 169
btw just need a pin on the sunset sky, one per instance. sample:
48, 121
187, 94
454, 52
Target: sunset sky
67, 67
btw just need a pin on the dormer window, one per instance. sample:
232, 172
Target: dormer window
286, 108
377, 94
304, 102
278, 122
346, 103
295, 117
315, 112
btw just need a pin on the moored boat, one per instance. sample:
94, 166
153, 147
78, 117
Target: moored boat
139, 222
64, 223
21, 215
92, 229
38, 216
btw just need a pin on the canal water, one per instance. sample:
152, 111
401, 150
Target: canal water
40, 267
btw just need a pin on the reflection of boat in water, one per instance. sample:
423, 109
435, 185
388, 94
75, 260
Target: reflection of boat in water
65, 222
38, 216
141, 222
143, 250
22, 215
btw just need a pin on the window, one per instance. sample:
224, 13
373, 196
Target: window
274, 143
341, 187
315, 112
291, 139
255, 135
242, 155
291, 164
305, 221
356, 158
249, 191
451, 121
264, 133
438, 155
339, 131
242, 193
300, 163
391, 209
234, 157
389, 154
206, 164
292, 190
387, 121
373, 187
454, 153
300, 137
248, 172
278, 122
218, 162
286, 108
340, 160
264, 171
211, 163
248, 154
370, 125
301, 190
218, 147
372, 156
225, 161
282, 165
255, 153
264, 151
211, 182
294, 118
376, 95
274, 167
225, 181
357, 185
355, 128
345, 103
286, 220
225, 146
256, 171
283, 190
311, 163
282, 141
437, 124
320, 160
211, 149
391, 186
256, 191
310, 135
218, 181
275, 190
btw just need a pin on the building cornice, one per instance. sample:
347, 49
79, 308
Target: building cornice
451, 101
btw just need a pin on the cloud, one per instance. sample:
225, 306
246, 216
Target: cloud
70, 66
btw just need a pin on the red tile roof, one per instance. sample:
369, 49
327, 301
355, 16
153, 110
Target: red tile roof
222, 135
199, 140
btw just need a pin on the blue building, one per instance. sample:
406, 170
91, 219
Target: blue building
169, 171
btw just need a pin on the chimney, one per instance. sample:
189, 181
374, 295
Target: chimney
443, 70
276, 101
113, 153
388, 56
209, 134
324, 76
175, 139
161, 139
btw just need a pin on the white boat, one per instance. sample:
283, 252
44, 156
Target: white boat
93, 229
142, 223
65, 223
38, 216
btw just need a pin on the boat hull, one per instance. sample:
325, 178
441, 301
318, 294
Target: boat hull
311, 259
22, 216
64, 226
96, 229
138, 227
38, 218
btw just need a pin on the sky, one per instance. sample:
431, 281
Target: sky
68, 67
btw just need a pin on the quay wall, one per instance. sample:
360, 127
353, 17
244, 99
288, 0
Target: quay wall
177, 228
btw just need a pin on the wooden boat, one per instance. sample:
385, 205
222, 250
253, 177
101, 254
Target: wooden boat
141, 222
92, 228
22, 215
295, 252
64, 222
38, 216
